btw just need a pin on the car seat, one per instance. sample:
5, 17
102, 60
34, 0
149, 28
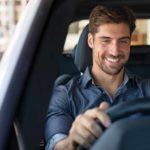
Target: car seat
138, 62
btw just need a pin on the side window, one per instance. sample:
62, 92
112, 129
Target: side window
74, 32
10, 12
141, 35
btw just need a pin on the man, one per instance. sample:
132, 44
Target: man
75, 107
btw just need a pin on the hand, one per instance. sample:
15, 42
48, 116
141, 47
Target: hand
85, 130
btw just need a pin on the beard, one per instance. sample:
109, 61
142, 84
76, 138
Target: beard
113, 68
112, 71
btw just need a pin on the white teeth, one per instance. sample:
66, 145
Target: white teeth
112, 59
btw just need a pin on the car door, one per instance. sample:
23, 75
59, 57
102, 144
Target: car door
26, 80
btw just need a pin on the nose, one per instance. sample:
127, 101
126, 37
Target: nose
114, 48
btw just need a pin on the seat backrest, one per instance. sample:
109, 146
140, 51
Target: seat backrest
139, 61
67, 69
67, 65
77, 62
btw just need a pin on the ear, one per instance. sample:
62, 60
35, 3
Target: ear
90, 40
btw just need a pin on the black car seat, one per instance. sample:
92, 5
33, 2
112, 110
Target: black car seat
81, 58
67, 68
139, 61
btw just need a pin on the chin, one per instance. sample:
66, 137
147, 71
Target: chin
113, 71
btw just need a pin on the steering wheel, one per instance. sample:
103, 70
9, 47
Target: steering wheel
126, 109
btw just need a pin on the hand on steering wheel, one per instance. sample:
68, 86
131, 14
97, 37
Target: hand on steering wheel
126, 109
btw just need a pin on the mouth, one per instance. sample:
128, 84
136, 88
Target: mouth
113, 65
112, 60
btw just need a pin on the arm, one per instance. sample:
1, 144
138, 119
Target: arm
85, 130
59, 119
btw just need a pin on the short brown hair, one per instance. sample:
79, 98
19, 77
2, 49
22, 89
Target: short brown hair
106, 14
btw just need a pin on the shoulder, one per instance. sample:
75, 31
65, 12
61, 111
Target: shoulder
142, 81
73, 84
138, 79
67, 82
75, 81
143, 84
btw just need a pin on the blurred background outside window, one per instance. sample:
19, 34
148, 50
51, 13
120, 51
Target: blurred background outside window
141, 35
11, 10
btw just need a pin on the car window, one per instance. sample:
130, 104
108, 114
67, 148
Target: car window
73, 35
141, 35
10, 13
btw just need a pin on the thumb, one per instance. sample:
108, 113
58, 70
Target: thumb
104, 105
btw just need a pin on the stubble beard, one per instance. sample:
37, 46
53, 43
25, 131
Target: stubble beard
112, 70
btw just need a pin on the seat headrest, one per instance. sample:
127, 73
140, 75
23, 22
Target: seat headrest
140, 49
82, 52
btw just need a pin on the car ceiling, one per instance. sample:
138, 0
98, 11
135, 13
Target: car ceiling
85, 7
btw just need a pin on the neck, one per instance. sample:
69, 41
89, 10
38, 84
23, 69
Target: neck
109, 82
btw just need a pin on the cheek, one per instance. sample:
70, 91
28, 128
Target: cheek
126, 52
100, 53
100, 50
103, 50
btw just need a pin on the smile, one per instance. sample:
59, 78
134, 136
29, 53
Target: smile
112, 60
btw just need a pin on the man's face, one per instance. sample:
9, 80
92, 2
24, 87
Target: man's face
111, 47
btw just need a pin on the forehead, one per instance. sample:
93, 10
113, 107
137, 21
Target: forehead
113, 29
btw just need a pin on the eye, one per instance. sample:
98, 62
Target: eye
124, 41
105, 41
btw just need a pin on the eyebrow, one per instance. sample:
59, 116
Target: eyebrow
126, 37
105, 37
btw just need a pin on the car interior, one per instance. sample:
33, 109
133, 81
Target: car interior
37, 63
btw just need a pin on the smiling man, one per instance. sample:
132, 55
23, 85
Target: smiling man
76, 105
111, 49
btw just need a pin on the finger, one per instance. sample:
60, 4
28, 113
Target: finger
100, 115
91, 126
87, 122
87, 134
104, 119
77, 138
80, 135
104, 105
